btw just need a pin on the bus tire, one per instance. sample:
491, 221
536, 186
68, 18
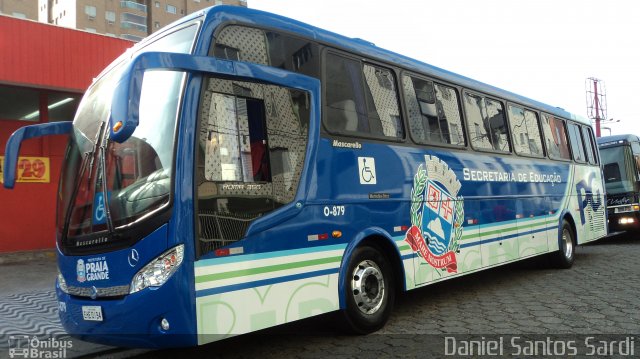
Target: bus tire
565, 256
369, 291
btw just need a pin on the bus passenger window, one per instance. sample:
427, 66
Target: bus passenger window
555, 137
486, 117
577, 146
361, 99
382, 102
526, 131
345, 111
241, 43
433, 109
588, 142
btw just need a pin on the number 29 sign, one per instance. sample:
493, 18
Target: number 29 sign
30, 169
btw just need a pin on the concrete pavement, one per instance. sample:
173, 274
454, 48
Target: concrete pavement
598, 296
29, 310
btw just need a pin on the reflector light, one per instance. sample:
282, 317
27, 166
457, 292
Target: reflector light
222, 252
317, 237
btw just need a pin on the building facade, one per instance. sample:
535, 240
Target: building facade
128, 19
22, 9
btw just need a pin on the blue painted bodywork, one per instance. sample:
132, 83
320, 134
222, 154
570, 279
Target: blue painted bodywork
330, 177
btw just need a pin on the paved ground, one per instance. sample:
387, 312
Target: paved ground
599, 295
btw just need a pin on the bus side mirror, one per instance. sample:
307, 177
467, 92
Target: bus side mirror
125, 103
12, 148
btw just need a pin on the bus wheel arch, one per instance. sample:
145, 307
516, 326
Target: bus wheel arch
373, 258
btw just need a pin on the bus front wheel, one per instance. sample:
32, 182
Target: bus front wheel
369, 291
565, 255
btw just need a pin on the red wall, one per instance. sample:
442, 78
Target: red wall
51, 56
48, 57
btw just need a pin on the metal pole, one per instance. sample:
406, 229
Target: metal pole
595, 90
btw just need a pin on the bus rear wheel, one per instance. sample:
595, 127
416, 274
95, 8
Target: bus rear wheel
369, 291
565, 256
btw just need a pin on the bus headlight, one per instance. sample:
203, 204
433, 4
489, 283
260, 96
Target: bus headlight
159, 270
626, 220
62, 284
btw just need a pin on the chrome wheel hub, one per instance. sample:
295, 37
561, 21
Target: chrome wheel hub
367, 284
567, 243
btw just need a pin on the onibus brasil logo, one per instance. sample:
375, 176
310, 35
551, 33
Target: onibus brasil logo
437, 214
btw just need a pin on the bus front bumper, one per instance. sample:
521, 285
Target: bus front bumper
134, 320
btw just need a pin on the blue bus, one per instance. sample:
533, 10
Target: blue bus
621, 167
239, 170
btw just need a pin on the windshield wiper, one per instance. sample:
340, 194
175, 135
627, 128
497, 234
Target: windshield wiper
103, 175
74, 194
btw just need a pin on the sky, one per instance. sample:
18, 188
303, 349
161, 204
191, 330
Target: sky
542, 49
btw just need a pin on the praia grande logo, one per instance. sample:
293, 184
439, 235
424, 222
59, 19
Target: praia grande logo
92, 269
437, 214
80, 271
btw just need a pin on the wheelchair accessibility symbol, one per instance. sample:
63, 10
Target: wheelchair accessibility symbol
99, 210
367, 170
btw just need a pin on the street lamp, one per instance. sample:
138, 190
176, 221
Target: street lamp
606, 128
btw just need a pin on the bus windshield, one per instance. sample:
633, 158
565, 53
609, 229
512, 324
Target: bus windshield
104, 184
618, 168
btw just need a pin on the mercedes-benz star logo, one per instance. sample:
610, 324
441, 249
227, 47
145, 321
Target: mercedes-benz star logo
94, 292
134, 257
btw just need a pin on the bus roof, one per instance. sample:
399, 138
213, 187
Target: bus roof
252, 17
617, 139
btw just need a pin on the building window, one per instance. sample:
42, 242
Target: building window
131, 37
25, 104
158, 4
90, 29
171, 9
90, 11
132, 21
133, 5
62, 106
17, 103
156, 25
110, 16
218, 2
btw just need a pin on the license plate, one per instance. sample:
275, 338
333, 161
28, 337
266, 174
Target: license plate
92, 313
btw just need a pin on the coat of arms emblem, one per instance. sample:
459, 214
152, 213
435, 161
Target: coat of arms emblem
437, 214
